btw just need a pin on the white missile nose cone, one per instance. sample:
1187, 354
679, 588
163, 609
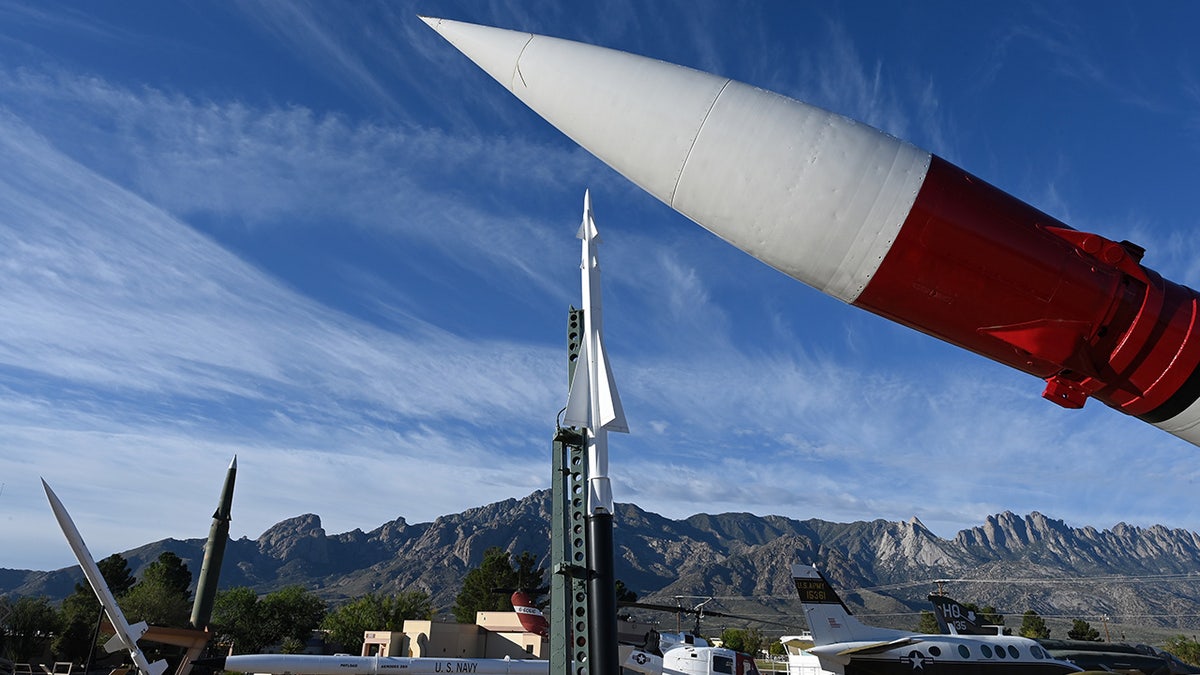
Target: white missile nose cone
495, 50
49, 493
766, 173
640, 116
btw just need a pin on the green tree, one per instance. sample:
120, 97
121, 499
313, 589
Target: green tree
624, 594
1082, 630
289, 616
149, 601
496, 571
286, 617
236, 621
116, 573
1033, 626
1184, 648
409, 605
170, 572
25, 626
748, 640
161, 598
928, 624
530, 578
776, 648
81, 610
347, 623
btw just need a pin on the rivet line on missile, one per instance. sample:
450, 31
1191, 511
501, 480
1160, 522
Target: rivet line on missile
695, 138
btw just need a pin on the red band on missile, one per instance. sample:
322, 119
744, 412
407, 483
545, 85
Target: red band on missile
981, 269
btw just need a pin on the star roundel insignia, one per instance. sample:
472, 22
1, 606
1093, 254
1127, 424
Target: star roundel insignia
917, 660
641, 659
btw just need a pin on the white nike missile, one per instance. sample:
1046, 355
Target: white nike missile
311, 664
127, 636
871, 220
593, 401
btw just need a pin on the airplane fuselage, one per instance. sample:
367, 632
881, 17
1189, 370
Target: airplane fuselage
952, 655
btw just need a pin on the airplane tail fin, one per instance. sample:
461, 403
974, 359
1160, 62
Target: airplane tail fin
829, 620
531, 618
954, 619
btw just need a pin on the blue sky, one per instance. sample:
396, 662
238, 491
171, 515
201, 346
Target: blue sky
316, 236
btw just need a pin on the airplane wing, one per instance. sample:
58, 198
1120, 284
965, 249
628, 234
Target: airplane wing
840, 652
880, 646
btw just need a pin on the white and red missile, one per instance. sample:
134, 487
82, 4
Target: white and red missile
126, 635
871, 220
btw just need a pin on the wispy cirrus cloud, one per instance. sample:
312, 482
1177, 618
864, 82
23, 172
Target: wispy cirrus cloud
144, 328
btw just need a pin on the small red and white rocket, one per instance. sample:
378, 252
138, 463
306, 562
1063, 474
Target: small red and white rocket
871, 220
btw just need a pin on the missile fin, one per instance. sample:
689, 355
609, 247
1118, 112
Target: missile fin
579, 405
114, 644
611, 414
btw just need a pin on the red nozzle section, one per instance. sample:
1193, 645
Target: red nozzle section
983, 270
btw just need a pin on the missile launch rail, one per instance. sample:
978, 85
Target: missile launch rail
568, 543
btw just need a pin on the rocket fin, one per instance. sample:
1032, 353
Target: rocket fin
606, 411
612, 415
579, 404
117, 642
114, 644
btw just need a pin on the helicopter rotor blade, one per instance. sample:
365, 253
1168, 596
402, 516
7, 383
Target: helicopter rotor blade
701, 612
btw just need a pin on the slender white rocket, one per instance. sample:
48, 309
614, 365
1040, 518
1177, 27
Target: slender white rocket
127, 635
593, 402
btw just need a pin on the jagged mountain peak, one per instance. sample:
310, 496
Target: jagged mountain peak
727, 555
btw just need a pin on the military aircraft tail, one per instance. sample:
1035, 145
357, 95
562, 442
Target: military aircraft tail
829, 620
954, 619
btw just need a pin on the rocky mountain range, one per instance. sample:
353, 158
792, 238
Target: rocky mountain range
1144, 580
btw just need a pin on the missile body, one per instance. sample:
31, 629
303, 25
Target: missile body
372, 665
593, 404
126, 635
214, 553
871, 220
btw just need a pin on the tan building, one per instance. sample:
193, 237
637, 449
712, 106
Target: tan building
494, 635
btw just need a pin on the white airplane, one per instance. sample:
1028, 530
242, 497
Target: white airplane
954, 618
845, 646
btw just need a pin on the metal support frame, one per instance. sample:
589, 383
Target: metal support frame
570, 620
